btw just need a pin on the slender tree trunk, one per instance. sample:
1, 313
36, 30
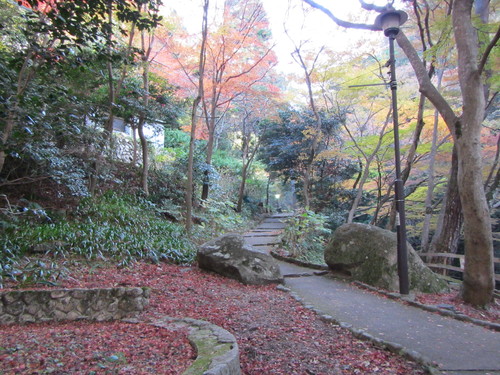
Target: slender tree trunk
366, 171
430, 179
146, 52
316, 131
208, 161
359, 193
145, 154
108, 128
241, 190
134, 141
247, 160
194, 119
379, 193
244, 154
211, 124
360, 174
306, 188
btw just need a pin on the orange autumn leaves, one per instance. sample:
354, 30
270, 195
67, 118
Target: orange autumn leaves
239, 60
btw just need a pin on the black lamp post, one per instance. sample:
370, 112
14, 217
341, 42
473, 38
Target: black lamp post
390, 21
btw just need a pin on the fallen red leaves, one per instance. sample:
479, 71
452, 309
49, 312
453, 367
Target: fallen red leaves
458, 306
93, 348
276, 335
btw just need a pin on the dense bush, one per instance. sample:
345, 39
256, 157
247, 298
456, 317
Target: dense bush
111, 227
305, 236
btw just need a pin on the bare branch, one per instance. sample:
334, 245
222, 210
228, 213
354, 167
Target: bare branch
488, 50
339, 21
24, 180
374, 7
490, 102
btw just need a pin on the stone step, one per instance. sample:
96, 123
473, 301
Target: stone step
262, 240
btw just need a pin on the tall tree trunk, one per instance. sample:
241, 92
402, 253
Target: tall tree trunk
244, 154
267, 191
146, 53
316, 131
134, 142
360, 174
450, 221
145, 154
211, 124
306, 186
478, 284
208, 161
108, 128
430, 179
478, 275
247, 159
379, 193
194, 120
241, 190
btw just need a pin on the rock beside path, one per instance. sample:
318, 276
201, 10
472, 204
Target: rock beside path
229, 256
369, 254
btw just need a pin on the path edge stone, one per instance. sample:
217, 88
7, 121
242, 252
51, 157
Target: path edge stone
397, 296
412, 355
431, 308
217, 349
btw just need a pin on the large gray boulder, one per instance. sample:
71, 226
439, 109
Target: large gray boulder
229, 256
369, 254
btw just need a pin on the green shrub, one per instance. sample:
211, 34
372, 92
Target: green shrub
112, 227
305, 236
218, 217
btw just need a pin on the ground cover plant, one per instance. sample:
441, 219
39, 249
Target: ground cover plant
118, 228
276, 334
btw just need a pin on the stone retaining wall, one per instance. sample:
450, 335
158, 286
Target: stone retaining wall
30, 306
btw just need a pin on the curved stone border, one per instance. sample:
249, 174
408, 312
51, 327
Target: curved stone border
397, 296
99, 304
427, 364
217, 349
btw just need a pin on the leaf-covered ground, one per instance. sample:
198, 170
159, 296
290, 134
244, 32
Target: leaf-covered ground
276, 335
452, 302
93, 348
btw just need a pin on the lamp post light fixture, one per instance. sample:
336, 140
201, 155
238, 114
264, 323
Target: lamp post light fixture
389, 21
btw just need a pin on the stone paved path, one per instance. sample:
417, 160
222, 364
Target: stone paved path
457, 348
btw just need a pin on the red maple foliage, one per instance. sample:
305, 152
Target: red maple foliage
276, 334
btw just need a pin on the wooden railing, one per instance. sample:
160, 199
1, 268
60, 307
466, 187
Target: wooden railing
448, 267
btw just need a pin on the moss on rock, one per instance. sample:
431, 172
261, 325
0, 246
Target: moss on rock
369, 254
